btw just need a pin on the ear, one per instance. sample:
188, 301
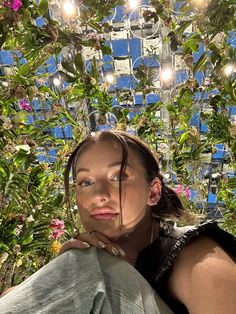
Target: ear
155, 192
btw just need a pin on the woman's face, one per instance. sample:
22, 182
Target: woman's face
97, 191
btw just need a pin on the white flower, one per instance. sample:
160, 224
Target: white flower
24, 147
163, 148
18, 229
19, 262
6, 123
30, 218
3, 257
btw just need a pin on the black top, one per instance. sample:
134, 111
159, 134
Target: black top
156, 260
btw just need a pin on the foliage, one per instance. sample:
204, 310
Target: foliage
32, 157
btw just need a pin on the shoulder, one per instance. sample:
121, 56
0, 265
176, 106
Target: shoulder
204, 278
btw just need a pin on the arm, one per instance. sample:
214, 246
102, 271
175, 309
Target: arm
204, 278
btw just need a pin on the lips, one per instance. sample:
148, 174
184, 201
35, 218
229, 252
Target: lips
103, 213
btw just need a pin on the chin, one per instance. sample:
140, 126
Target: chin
109, 233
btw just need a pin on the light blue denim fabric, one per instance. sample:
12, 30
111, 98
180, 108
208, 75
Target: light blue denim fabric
89, 281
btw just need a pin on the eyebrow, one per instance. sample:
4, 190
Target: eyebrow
113, 164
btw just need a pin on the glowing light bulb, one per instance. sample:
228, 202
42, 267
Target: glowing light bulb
166, 75
69, 8
228, 69
56, 81
5, 83
200, 4
110, 78
133, 3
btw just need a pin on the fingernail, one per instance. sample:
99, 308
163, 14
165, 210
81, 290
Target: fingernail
122, 253
114, 251
101, 244
85, 244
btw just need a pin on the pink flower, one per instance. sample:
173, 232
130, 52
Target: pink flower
24, 105
14, 4
56, 234
181, 190
57, 224
58, 228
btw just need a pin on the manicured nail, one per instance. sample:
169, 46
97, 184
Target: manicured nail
85, 244
122, 253
101, 244
114, 251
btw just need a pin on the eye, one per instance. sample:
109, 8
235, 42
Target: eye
118, 177
85, 183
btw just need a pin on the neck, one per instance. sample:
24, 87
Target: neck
133, 243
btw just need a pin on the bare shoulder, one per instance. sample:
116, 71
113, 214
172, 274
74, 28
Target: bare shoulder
204, 278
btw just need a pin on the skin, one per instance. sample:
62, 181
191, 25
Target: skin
97, 187
204, 275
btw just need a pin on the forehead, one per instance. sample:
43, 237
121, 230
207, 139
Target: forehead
105, 151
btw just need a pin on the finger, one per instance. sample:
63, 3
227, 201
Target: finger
114, 249
73, 244
106, 244
100, 241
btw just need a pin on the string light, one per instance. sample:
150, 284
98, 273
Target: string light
133, 3
56, 81
200, 4
69, 8
5, 83
109, 78
166, 75
229, 69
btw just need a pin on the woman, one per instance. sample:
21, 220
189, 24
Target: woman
122, 200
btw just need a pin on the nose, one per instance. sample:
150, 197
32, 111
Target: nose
101, 192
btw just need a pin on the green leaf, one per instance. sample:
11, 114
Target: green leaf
183, 138
183, 26
28, 239
79, 63
3, 37
232, 183
20, 157
20, 117
4, 247
106, 50
68, 67
43, 7
58, 199
45, 89
4, 168
171, 108
201, 62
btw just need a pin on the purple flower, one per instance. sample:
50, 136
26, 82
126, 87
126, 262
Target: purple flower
24, 105
14, 4
21, 218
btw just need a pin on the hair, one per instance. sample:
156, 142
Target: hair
169, 204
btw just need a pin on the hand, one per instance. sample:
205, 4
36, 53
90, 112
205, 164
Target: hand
86, 239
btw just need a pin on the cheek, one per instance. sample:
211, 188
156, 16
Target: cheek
135, 200
81, 198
